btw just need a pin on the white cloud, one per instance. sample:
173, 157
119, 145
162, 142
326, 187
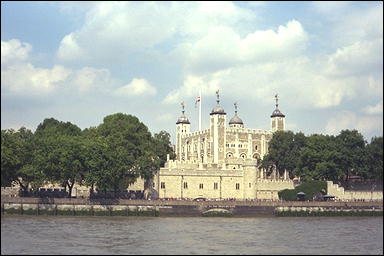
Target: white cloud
373, 110
349, 120
69, 48
20, 76
120, 28
136, 87
89, 78
299, 80
348, 22
362, 57
14, 51
223, 47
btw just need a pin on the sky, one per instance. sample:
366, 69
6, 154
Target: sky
81, 61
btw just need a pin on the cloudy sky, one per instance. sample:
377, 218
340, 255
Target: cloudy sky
82, 61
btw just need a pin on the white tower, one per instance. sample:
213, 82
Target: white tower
182, 128
218, 117
277, 118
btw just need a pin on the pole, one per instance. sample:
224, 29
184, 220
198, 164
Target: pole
200, 110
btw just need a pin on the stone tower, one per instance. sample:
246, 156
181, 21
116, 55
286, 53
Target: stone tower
217, 123
277, 118
182, 128
236, 121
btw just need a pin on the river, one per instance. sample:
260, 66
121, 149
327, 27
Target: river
196, 235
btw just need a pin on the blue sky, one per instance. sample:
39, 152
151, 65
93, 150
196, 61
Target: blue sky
81, 61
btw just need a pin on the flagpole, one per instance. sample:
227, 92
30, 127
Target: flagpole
200, 110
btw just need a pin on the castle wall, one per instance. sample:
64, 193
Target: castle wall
341, 194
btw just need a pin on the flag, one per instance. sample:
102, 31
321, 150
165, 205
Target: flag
197, 100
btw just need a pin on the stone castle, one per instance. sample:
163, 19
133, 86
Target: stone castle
221, 162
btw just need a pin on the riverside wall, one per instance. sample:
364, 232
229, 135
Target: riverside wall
120, 207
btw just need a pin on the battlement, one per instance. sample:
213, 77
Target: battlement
248, 130
211, 172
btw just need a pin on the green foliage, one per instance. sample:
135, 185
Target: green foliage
284, 151
325, 157
310, 188
17, 158
374, 159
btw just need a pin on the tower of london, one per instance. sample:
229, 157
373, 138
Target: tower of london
221, 162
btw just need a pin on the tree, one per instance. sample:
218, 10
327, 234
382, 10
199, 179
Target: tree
129, 151
319, 159
58, 152
17, 159
61, 160
283, 151
374, 159
351, 146
162, 146
53, 127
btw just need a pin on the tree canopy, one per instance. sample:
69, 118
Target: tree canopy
325, 157
110, 156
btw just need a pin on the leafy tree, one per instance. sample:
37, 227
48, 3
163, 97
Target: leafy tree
53, 127
283, 151
58, 152
61, 160
129, 150
319, 159
162, 146
351, 146
17, 159
374, 159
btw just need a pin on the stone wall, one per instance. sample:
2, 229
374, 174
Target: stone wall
273, 184
341, 194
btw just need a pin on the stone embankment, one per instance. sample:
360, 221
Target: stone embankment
119, 207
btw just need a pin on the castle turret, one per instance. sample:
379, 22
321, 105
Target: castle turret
218, 121
236, 121
277, 118
182, 128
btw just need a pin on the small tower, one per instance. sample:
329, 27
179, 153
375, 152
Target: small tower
236, 121
217, 126
277, 118
182, 128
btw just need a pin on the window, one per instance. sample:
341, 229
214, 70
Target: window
200, 186
249, 184
240, 146
227, 145
243, 156
162, 185
185, 185
237, 186
215, 185
256, 147
233, 145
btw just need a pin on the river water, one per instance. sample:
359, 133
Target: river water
163, 235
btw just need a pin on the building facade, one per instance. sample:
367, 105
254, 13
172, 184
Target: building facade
221, 162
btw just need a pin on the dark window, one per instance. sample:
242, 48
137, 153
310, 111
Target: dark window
237, 186
185, 185
162, 185
215, 185
200, 186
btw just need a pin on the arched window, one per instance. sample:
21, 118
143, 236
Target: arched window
243, 156
229, 155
